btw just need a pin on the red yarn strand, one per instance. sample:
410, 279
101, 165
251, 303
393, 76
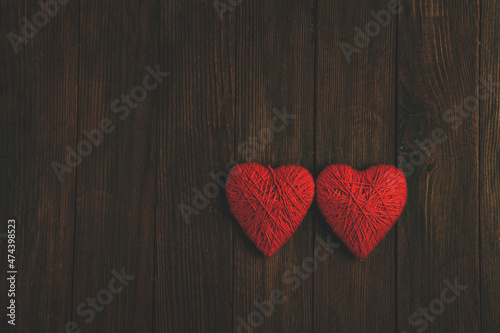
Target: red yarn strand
269, 204
361, 206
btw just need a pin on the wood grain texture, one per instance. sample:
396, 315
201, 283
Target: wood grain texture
11, 85
354, 125
489, 162
438, 238
39, 96
115, 217
145, 199
274, 75
195, 137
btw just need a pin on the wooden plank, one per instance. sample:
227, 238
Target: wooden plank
438, 239
195, 138
489, 162
115, 217
10, 176
38, 93
355, 125
274, 74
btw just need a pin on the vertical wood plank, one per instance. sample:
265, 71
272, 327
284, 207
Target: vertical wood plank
195, 138
438, 239
115, 217
355, 125
489, 143
275, 71
11, 71
38, 93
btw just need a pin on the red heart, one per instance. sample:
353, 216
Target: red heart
361, 206
269, 204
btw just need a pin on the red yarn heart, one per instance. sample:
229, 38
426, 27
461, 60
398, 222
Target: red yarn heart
269, 204
361, 206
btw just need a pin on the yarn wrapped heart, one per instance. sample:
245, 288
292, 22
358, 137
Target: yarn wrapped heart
269, 204
361, 206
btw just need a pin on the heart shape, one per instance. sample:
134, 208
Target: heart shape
361, 206
269, 204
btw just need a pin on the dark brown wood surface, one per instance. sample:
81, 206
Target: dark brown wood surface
355, 112
130, 225
274, 74
489, 170
438, 232
115, 188
193, 256
39, 94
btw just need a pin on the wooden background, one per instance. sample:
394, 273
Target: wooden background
119, 207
